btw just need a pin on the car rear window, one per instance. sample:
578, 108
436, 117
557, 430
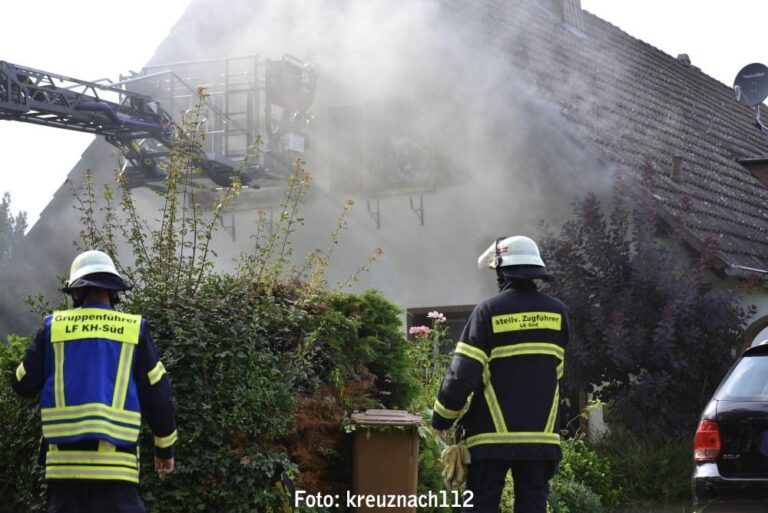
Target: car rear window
748, 381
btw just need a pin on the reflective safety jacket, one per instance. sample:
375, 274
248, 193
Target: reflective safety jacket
96, 371
510, 358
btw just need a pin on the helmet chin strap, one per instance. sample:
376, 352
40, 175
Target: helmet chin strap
500, 279
497, 258
78, 297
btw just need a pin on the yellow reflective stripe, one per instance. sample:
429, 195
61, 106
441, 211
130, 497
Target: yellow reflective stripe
532, 348
445, 412
91, 458
88, 472
82, 427
528, 348
527, 321
95, 323
550, 427
472, 352
123, 376
105, 446
90, 410
493, 403
514, 438
156, 373
20, 372
166, 441
58, 375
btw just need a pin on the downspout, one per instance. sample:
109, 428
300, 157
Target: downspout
738, 271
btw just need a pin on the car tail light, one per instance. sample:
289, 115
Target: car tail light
706, 445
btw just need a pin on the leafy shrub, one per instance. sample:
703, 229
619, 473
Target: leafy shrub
588, 468
647, 325
430, 466
20, 483
255, 357
233, 370
648, 470
366, 328
583, 484
429, 366
12, 228
572, 496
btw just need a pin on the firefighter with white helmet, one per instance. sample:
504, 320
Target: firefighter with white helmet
94, 269
510, 358
97, 373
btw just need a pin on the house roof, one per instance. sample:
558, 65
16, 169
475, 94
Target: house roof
631, 103
620, 98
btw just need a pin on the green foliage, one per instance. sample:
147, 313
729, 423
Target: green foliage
647, 325
244, 352
583, 483
366, 329
573, 496
429, 367
430, 466
232, 371
648, 470
20, 483
588, 468
11, 228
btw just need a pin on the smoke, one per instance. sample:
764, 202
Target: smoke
430, 73
438, 113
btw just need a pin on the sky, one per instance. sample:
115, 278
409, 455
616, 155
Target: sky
93, 39
84, 39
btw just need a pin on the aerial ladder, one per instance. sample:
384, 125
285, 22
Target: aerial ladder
135, 123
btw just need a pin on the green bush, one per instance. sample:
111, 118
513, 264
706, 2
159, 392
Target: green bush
648, 470
585, 466
245, 352
429, 366
230, 357
366, 328
20, 483
583, 483
430, 467
572, 496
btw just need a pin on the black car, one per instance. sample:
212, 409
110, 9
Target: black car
731, 443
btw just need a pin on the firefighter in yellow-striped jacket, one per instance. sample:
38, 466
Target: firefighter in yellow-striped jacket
510, 358
97, 373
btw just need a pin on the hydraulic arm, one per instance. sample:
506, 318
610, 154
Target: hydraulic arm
134, 123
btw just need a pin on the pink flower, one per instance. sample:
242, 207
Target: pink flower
419, 331
437, 316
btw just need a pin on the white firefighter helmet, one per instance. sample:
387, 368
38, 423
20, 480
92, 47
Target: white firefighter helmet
94, 268
518, 257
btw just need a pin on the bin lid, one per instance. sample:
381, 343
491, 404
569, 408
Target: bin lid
386, 418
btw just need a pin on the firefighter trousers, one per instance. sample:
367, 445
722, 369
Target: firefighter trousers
82, 496
531, 482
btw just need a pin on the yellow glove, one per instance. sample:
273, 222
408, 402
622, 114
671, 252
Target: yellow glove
455, 460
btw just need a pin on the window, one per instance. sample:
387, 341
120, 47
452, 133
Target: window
748, 381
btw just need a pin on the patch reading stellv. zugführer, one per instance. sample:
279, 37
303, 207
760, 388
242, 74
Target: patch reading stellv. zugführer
527, 321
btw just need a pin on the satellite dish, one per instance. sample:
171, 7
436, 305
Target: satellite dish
751, 84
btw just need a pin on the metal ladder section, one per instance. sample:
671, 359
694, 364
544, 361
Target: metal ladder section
246, 97
233, 87
135, 123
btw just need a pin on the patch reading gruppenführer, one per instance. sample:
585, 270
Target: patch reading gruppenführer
527, 321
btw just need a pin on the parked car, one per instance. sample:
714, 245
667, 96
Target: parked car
731, 442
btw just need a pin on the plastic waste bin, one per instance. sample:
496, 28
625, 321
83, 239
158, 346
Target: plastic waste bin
385, 457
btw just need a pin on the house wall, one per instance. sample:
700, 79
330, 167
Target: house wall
501, 157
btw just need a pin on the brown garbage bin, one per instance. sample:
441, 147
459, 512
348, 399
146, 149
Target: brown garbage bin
385, 458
